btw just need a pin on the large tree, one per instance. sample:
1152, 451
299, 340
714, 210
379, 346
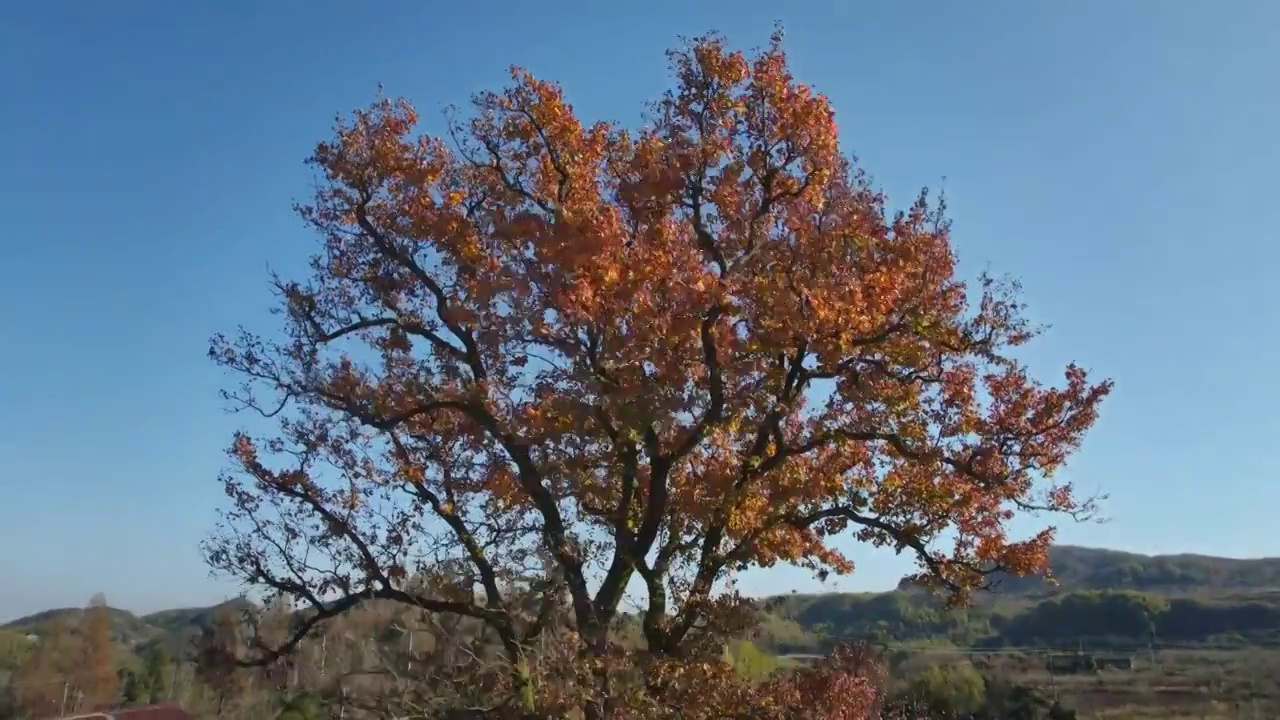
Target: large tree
537, 348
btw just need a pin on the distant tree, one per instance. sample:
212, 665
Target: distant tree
217, 651
1007, 701
670, 355
1087, 615
44, 682
15, 647
749, 661
96, 674
157, 672
949, 689
134, 689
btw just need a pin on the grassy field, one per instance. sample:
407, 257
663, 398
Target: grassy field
1179, 684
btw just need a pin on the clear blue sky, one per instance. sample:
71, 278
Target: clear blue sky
1120, 158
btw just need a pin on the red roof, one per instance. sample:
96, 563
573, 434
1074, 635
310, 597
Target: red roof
151, 712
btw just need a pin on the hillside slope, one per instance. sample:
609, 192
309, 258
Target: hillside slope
127, 629
1081, 568
1118, 596
1100, 596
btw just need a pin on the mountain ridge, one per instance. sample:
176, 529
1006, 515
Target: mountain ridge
1065, 567
1075, 567
1111, 580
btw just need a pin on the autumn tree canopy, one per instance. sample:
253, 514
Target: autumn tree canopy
542, 348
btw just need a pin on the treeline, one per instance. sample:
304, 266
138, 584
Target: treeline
1080, 568
101, 657
388, 661
810, 623
1083, 568
70, 662
1129, 617
60, 672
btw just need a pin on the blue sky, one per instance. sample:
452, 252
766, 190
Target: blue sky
1118, 157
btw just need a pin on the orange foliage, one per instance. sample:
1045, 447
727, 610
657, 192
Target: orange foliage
43, 683
96, 672
667, 354
845, 686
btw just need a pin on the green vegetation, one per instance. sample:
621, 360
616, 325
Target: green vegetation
958, 687
1079, 568
805, 624
1209, 634
1187, 600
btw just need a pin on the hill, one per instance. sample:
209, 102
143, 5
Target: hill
1081, 568
1103, 596
175, 629
179, 627
126, 628
181, 619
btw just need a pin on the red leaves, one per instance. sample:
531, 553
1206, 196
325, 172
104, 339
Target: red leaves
849, 684
706, 344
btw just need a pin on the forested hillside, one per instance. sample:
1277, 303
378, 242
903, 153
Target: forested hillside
1080, 568
1161, 601
175, 628
1099, 597
1103, 596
